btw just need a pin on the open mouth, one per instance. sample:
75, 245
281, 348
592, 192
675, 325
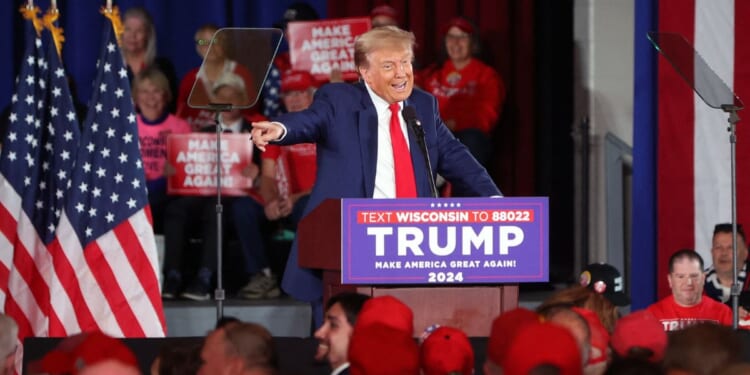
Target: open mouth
400, 86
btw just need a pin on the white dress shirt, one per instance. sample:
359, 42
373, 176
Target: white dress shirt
385, 173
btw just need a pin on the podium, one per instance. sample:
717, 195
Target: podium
470, 308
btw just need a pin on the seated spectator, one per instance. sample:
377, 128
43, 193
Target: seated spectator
639, 335
334, 335
151, 94
720, 275
199, 81
177, 359
600, 354
687, 305
8, 344
505, 329
239, 348
575, 323
91, 353
139, 49
383, 15
247, 212
580, 296
271, 91
293, 167
543, 347
378, 349
702, 349
446, 351
470, 93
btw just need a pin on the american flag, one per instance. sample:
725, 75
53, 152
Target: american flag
38, 153
98, 269
682, 176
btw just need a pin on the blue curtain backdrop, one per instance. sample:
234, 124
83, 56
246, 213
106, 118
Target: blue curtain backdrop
176, 22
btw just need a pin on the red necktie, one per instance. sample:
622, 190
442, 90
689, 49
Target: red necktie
406, 187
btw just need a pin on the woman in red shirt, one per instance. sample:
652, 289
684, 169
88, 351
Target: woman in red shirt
470, 93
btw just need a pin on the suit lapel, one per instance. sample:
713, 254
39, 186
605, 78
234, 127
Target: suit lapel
417, 160
367, 122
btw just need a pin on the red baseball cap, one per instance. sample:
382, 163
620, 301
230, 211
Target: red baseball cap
462, 23
76, 352
447, 350
599, 335
296, 80
543, 344
380, 349
639, 329
388, 311
504, 330
384, 10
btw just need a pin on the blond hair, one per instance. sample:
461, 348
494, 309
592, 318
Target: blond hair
148, 22
156, 77
378, 38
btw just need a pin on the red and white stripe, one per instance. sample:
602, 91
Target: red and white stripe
63, 289
694, 175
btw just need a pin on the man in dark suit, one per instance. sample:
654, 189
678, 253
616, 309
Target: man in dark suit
358, 155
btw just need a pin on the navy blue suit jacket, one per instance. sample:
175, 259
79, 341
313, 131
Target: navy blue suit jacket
342, 121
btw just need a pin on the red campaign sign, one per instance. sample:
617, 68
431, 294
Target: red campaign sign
319, 46
193, 157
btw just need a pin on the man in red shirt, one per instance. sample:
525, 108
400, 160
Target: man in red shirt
687, 305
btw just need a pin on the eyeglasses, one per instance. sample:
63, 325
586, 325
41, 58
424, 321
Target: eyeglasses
202, 42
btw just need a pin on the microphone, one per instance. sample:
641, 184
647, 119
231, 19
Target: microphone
410, 116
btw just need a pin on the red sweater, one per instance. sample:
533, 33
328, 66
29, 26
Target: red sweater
674, 317
472, 96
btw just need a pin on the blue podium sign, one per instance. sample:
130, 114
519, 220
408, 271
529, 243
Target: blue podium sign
444, 240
